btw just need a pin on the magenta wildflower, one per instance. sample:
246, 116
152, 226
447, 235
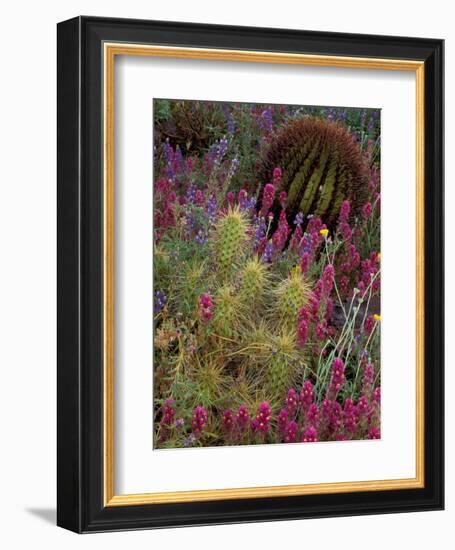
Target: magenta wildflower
344, 211
328, 309
242, 418
369, 324
367, 210
282, 420
328, 278
168, 413
206, 307
296, 238
320, 331
261, 423
243, 198
306, 397
310, 435
302, 332
290, 434
282, 198
305, 262
374, 433
199, 199
228, 420
199, 421
362, 405
349, 415
230, 198
337, 378
281, 234
313, 414
277, 174
291, 401
267, 198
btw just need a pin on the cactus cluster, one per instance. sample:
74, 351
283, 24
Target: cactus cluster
321, 164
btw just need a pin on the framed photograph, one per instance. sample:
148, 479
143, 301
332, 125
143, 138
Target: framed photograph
250, 274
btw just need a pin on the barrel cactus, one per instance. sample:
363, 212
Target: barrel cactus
321, 164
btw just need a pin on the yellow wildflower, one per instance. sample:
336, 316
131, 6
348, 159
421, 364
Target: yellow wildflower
324, 232
377, 317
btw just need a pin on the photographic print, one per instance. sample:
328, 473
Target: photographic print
267, 269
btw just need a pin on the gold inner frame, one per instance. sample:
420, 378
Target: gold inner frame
110, 51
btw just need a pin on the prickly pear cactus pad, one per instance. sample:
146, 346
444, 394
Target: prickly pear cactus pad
267, 271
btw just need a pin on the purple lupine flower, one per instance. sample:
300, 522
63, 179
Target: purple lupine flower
160, 301
259, 231
267, 119
201, 237
179, 423
298, 220
268, 252
211, 208
243, 199
191, 193
199, 421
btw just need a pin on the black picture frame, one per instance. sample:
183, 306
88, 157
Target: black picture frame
80, 474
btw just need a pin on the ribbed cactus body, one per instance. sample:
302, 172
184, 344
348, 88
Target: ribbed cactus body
291, 295
229, 240
322, 165
227, 312
253, 282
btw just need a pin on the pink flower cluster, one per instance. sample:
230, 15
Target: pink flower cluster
206, 307
199, 420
